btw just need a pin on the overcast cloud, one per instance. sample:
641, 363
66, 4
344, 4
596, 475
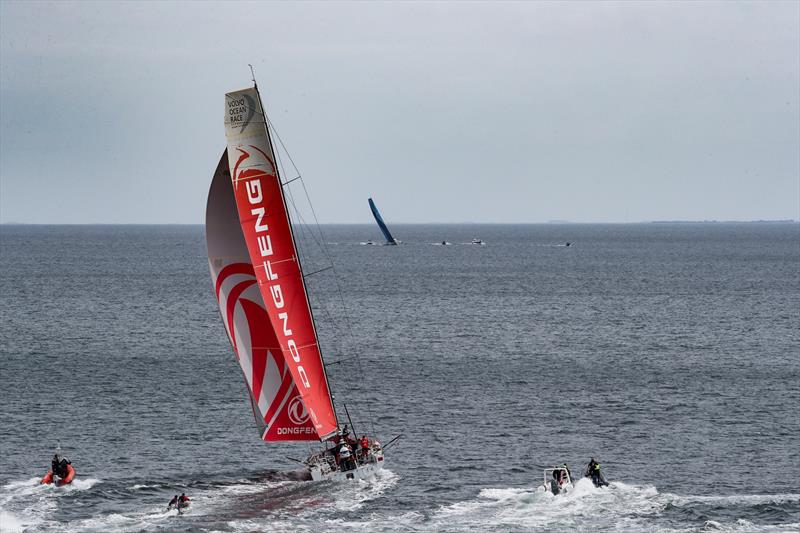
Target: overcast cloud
443, 112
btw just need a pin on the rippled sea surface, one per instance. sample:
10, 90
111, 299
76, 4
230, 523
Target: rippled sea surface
671, 352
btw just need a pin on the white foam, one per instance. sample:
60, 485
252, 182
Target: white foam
338, 506
619, 507
16, 485
743, 526
213, 501
352, 496
77, 484
10, 523
315, 503
140, 487
32, 503
737, 500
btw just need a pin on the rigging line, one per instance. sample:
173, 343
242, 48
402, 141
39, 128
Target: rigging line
321, 243
318, 300
290, 195
333, 321
304, 234
311, 205
323, 246
340, 361
313, 296
302, 181
318, 271
345, 314
326, 251
276, 155
271, 125
305, 225
305, 288
356, 347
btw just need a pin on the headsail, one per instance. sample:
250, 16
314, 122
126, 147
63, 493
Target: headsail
381, 223
277, 406
267, 233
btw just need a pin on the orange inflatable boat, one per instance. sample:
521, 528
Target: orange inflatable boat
48, 478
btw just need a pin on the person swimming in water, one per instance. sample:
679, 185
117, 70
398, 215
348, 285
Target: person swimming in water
173, 503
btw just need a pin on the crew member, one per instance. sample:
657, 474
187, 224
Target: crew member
55, 465
593, 471
172, 503
59, 465
183, 502
345, 456
364, 444
555, 483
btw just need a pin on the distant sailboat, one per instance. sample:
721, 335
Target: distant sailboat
259, 284
381, 224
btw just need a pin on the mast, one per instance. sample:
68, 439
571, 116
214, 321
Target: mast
294, 242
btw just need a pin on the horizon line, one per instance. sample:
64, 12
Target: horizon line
550, 223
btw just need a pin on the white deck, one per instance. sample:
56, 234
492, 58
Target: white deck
323, 468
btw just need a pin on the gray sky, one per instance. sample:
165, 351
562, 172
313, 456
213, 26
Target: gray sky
443, 112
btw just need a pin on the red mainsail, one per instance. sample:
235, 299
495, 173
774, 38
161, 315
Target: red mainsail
267, 232
277, 406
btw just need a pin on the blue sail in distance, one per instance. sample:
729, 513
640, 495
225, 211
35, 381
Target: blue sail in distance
382, 224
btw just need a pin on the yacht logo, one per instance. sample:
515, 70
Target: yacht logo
297, 411
241, 110
251, 110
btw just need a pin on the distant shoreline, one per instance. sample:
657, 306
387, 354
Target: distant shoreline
785, 221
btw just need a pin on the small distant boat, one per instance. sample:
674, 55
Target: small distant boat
477, 241
390, 240
367, 243
443, 243
557, 480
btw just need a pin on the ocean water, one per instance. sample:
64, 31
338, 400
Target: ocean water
671, 352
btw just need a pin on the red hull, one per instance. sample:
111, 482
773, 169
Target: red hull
48, 478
